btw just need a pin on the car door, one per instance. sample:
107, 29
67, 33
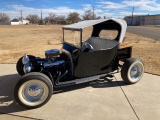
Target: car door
96, 62
87, 64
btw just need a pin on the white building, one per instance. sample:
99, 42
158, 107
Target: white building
24, 22
18, 22
137, 20
15, 22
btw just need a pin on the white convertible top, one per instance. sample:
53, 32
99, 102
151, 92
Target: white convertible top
83, 24
87, 23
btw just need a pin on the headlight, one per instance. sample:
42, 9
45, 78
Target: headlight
26, 68
25, 59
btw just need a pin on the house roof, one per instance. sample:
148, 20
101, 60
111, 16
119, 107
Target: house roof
15, 20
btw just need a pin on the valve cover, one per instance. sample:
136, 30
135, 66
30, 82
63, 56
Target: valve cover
52, 53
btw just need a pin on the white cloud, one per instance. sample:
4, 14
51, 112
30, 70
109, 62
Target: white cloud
14, 11
148, 5
102, 8
142, 7
125, 13
87, 7
111, 5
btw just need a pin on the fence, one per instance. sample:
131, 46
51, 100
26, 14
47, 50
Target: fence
5, 23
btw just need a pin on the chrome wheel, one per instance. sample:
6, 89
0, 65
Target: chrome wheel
135, 71
33, 92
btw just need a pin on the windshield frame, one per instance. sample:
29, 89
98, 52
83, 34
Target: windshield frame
80, 40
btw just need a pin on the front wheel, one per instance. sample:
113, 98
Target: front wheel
33, 90
132, 70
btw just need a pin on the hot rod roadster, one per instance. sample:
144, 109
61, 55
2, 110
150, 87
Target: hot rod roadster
77, 62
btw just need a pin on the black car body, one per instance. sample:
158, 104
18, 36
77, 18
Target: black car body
78, 61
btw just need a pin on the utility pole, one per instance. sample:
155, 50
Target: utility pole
132, 16
41, 21
93, 9
41, 16
21, 17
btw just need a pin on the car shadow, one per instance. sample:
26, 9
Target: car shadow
101, 83
7, 100
9, 105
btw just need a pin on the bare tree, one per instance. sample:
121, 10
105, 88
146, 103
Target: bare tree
4, 17
89, 15
61, 19
33, 18
52, 17
73, 17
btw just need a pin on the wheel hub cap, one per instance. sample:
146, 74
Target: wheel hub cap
33, 93
134, 72
34, 90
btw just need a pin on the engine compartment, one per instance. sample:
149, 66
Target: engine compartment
56, 65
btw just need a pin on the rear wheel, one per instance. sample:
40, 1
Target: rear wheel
33, 90
19, 65
132, 70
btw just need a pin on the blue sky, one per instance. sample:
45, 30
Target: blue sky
108, 8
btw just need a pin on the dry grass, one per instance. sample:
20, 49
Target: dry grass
17, 40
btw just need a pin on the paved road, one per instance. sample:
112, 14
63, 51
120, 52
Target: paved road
107, 100
150, 32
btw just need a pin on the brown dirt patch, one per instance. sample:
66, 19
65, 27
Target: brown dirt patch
35, 39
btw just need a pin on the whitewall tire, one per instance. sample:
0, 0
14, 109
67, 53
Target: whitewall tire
132, 70
33, 90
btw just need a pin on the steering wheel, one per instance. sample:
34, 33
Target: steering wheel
86, 47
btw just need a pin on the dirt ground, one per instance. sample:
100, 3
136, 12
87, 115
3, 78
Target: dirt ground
34, 40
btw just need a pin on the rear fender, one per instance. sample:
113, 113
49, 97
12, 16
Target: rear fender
124, 53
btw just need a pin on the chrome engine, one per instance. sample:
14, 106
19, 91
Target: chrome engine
52, 54
51, 58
